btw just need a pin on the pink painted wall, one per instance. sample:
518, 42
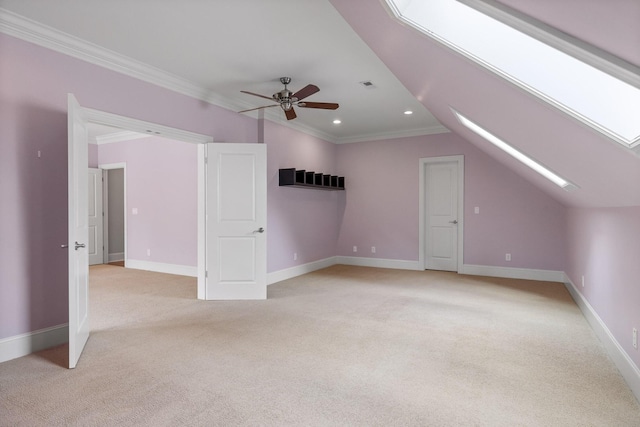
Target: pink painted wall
93, 155
300, 221
161, 183
382, 205
603, 246
34, 83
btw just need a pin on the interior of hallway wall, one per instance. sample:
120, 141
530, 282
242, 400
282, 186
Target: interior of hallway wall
161, 188
116, 213
33, 219
382, 205
603, 247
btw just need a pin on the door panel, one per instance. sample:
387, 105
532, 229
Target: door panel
78, 230
95, 246
236, 213
442, 216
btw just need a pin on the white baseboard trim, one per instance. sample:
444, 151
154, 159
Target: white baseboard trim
628, 369
299, 270
513, 273
396, 264
24, 344
160, 267
117, 256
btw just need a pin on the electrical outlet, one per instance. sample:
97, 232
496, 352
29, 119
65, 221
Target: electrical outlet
148, 252
635, 338
507, 257
373, 249
583, 280
295, 256
355, 249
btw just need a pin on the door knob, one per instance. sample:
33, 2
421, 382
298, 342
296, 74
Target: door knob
79, 245
259, 230
455, 221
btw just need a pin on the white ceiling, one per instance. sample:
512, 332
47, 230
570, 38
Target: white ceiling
220, 47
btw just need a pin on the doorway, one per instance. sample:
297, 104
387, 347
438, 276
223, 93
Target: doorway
441, 228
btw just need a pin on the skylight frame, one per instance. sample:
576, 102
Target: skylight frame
626, 81
525, 159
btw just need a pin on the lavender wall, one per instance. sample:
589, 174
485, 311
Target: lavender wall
161, 183
34, 83
382, 205
300, 221
603, 246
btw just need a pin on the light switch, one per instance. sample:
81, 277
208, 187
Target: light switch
134, 211
476, 209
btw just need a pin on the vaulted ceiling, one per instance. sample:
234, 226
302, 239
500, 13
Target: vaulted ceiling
214, 49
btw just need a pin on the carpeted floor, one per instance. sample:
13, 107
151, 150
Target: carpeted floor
341, 346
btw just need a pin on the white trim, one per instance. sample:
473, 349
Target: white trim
423, 162
161, 267
24, 344
396, 264
513, 273
119, 137
628, 369
299, 270
202, 222
431, 130
118, 256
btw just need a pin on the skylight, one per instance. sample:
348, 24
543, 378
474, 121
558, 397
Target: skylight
507, 148
598, 99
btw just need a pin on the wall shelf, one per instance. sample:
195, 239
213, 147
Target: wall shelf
292, 177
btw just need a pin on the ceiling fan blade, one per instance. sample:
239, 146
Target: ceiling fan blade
323, 105
291, 114
257, 94
258, 108
306, 91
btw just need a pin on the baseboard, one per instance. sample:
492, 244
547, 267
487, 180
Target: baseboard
299, 270
396, 264
24, 344
513, 273
628, 369
118, 256
160, 267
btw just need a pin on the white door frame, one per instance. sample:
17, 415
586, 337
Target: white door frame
128, 123
105, 204
459, 159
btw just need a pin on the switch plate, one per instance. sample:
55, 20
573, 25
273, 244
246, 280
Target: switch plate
507, 257
476, 210
148, 252
373, 249
134, 211
583, 280
635, 338
355, 249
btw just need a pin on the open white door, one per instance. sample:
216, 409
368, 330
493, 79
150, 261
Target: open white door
95, 243
236, 217
78, 230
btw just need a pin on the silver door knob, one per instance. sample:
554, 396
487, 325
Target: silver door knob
455, 221
259, 230
79, 245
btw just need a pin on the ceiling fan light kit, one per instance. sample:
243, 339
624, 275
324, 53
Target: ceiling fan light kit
287, 99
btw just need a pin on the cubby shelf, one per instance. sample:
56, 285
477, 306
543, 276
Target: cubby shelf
291, 177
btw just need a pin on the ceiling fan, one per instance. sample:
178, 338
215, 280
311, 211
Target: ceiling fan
287, 99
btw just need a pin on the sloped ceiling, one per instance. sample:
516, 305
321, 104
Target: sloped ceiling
606, 173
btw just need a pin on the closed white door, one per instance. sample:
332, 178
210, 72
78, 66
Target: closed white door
78, 230
95, 244
441, 216
236, 217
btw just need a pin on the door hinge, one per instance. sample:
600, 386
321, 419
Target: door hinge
206, 274
206, 160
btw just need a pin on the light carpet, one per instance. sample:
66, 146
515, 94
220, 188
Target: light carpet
343, 346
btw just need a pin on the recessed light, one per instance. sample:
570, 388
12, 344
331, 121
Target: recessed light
337, 121
408, 112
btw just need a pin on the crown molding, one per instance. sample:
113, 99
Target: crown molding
431, 130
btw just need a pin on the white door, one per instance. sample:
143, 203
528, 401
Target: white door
441, 216
236, 217
95, 244
78, 230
